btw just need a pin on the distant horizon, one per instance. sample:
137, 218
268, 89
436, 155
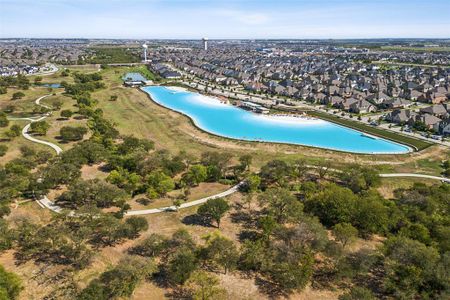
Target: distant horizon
222, 19
229, 39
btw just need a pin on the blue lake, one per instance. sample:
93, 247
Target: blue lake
225, 120
51, 85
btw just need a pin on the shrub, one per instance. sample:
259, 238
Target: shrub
10, 285
66, 113
18, 95
69, 133
40, 127
3, 150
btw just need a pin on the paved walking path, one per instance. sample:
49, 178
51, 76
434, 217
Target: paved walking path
25, 130
46, 203
184, 205
416, 175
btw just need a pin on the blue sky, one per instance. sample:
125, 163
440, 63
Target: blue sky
225, 18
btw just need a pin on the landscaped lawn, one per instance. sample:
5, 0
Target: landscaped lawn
416, 143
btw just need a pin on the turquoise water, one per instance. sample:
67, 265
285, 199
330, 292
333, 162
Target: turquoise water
52, 85
225, 120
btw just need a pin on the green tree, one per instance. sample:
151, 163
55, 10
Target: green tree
66, 113
291, 269
195, 175
299, 168
160, 182
152, 246
246, 161
281, 204
372, 214
3, 150
275, 172
92, 192
119, 281
37, 79
204, 286
220, 160
4, 122
59, 173
134, 225
345, 233
220, 251
410, 267
213, 210
358, 293
251, 184
333, 204
69, 133
359, 178
6, 234
14, 131
128, 181
181, 265
40, 127
18, 95
10, 285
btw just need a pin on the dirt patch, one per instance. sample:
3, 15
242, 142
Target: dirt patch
93, 171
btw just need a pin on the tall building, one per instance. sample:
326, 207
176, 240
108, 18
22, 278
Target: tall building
145, 52
205, 44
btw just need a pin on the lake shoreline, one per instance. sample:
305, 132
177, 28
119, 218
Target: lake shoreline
277, 119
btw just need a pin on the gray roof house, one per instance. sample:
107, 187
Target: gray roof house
396, 103
400, 116
362, 106
430, 121
435, 110
347, 103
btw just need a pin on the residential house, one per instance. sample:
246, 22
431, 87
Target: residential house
362, 106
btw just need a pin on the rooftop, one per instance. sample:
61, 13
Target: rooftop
133, 77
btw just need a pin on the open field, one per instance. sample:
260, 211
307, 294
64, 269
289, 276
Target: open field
416, 49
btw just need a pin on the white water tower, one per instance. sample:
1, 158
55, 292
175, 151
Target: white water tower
145, 51
205, 44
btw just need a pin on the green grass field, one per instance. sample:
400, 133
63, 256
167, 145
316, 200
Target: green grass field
416, 49
415, 143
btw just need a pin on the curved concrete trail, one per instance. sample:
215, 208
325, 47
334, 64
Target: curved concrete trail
416, 175
46, 203
25, 130
184, 205
26, 135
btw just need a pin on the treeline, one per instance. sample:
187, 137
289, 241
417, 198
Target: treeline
20, 81
105, 55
